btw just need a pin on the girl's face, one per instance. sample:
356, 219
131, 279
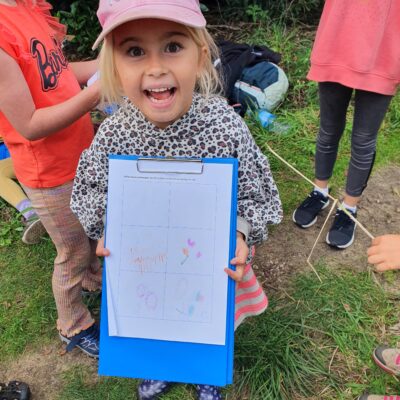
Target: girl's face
157, 62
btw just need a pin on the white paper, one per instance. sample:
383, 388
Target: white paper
168, 234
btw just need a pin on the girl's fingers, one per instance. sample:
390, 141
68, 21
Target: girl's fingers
101, 251
376, 240
372, 250
376, 259
235, 275
238, 260
384, 266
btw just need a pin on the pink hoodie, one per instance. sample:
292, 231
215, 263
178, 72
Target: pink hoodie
358, 45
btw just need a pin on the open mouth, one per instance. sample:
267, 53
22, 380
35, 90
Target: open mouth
160, 95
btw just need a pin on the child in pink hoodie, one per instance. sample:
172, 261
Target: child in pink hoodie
356, 50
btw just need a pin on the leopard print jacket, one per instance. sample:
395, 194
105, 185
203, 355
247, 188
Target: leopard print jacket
209, 129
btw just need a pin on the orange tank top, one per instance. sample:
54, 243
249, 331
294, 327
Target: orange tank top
32, 37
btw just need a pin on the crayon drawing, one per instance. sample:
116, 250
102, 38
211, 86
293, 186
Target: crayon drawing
190, 251
169, 239
144, 249
144, 295
188, 298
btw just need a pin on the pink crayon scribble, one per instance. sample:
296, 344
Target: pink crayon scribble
198, 254
191, 242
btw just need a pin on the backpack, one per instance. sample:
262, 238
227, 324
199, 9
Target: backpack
251, 76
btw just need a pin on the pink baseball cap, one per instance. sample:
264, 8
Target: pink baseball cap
112, 13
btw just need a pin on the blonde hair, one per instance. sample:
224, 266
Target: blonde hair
208, 82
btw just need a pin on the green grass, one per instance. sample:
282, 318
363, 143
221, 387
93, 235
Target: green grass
316, 338
27, 310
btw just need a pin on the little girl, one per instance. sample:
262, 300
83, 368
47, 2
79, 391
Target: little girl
45, 125
156, 61
355, 50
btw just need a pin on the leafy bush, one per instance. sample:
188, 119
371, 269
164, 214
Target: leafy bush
284, 11
83, 25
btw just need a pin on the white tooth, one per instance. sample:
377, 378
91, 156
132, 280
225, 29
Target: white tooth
158, 90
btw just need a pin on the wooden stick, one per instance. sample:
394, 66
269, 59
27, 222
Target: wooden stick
356, 221
319, 235
294, 169
312, 183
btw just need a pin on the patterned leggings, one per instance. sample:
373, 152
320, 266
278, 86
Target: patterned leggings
76, 264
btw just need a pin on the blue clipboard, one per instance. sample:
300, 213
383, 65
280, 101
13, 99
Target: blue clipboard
173, 361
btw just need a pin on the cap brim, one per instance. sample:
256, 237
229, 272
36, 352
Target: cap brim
180, 15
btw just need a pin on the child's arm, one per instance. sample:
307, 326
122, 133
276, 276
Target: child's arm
89, 193
17, 104
258, 198
385, 252
83, 70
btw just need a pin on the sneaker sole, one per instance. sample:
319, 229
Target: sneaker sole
313, 221
343, 246
67, 341
33, 233
383, 366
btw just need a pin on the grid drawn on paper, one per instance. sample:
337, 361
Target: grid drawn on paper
184, 293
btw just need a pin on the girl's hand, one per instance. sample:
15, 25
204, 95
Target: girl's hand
241, 254
101, 251
384, 253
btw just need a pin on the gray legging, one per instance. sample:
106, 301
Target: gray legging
369, 111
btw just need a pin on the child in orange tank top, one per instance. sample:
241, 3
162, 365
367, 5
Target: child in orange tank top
45, 124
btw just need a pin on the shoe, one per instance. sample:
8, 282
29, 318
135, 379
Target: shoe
367, 396
14, 390
306, 213
208, 392
86, 293
388, 359
151, 389
341, 234
87, 341
33, 231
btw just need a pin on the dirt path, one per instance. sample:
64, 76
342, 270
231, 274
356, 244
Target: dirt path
283, 256
286, 252
44, 370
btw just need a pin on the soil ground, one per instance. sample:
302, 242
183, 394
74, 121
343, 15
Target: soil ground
277, 261
285, 253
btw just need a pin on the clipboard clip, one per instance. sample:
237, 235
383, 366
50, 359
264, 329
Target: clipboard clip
170, 165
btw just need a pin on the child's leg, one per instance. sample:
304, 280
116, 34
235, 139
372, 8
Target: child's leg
92, 277
11, 192
369, 111
74, 255
334, 100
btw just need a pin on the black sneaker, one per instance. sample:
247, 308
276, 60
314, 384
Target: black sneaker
87, 341
305, 215
341, 234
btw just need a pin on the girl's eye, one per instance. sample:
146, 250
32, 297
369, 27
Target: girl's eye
135, 52
173, 47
